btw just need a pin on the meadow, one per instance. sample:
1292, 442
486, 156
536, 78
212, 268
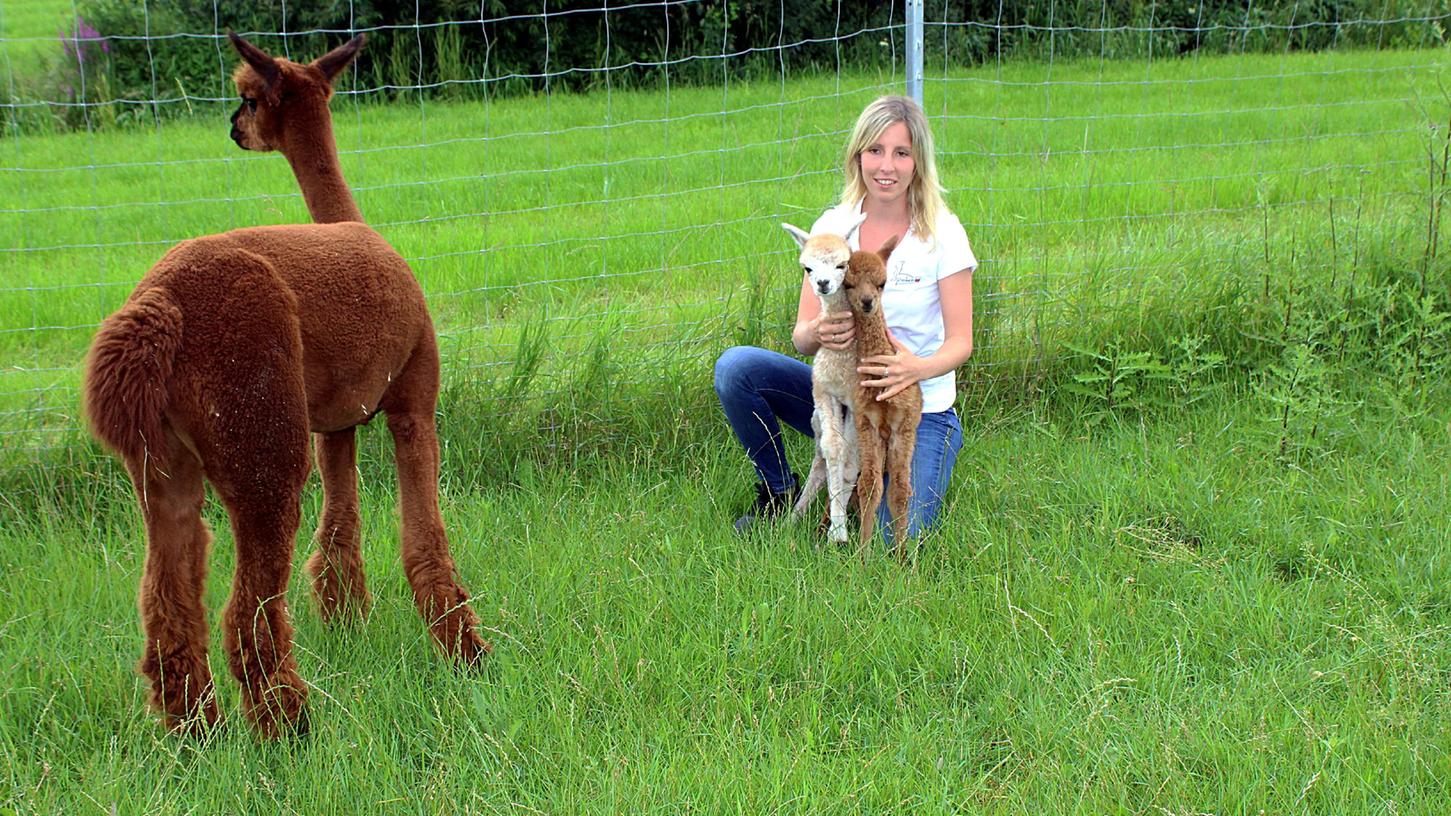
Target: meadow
1196, 555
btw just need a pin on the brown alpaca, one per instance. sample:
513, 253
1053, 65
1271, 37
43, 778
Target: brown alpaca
229, 350
285, 108
886, 429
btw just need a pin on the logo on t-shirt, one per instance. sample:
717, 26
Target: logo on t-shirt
901, 276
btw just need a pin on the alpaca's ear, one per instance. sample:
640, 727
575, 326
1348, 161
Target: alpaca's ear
264, 65
333, 62
796, 232
856, 225
886, 250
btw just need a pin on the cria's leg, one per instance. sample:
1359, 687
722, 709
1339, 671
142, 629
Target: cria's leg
842, 453
427, 562
869, 483
818, 475
899, 491
175, 655
336, 566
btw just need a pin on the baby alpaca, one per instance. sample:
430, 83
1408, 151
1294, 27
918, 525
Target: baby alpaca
833, 382
883, 426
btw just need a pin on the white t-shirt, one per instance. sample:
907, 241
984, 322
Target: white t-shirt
912, 301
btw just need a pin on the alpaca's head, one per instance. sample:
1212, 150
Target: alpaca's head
866, 277
824, 257
280, 96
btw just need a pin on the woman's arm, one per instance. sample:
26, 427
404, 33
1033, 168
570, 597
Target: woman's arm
894, 372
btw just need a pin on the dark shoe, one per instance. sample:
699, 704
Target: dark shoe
768, 505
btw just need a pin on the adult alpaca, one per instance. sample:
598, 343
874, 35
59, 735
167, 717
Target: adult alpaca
886, 429
230, 349
285, 108
833, 384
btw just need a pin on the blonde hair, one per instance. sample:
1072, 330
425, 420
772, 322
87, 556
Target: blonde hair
924, 196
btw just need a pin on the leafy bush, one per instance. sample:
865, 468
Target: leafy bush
168, 56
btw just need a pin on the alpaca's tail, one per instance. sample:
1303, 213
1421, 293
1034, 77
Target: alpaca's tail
128, 373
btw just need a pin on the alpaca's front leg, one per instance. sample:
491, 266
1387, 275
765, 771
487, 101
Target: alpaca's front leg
841, 465
869, 482
336, 566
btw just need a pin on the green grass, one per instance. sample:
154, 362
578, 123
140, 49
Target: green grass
1229, 594
30, 28
1151, 617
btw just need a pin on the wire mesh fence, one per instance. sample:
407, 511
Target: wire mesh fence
579, 181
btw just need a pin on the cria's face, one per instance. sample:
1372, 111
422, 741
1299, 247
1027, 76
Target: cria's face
866, 275
824, 259
826, 273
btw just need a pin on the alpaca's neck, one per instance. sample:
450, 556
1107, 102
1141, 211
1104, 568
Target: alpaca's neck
313, 155
871, 333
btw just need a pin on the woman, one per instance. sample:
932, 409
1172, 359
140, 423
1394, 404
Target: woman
891, 176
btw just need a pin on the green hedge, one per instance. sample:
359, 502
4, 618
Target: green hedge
437, 50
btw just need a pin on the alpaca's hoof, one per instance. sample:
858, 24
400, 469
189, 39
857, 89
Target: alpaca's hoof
203, 722
472, 649
281, 711
347, 611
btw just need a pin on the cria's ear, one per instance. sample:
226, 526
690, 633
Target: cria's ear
333, 62
887, 247
856, 225
797, 233
264, 65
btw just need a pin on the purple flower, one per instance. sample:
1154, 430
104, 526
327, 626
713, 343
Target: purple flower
72, 43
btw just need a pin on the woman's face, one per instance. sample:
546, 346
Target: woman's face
888, 165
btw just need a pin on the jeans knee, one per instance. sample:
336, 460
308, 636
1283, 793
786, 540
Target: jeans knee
728, 370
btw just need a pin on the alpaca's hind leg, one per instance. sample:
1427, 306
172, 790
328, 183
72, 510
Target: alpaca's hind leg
260, 483
899, 488
818, 474
336, 566
257, 625
175, 656
257, 458
427, 562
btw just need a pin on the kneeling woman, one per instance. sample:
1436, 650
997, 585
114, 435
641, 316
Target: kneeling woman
891, 176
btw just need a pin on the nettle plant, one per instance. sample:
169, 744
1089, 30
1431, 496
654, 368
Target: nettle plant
1116, 380
1298, 385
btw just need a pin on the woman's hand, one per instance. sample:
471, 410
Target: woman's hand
834, 330
893, 373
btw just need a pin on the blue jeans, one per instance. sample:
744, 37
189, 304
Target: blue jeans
759, 389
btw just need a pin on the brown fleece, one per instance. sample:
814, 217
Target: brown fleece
886, 428
230, 349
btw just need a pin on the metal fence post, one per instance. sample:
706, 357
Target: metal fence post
914, 49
